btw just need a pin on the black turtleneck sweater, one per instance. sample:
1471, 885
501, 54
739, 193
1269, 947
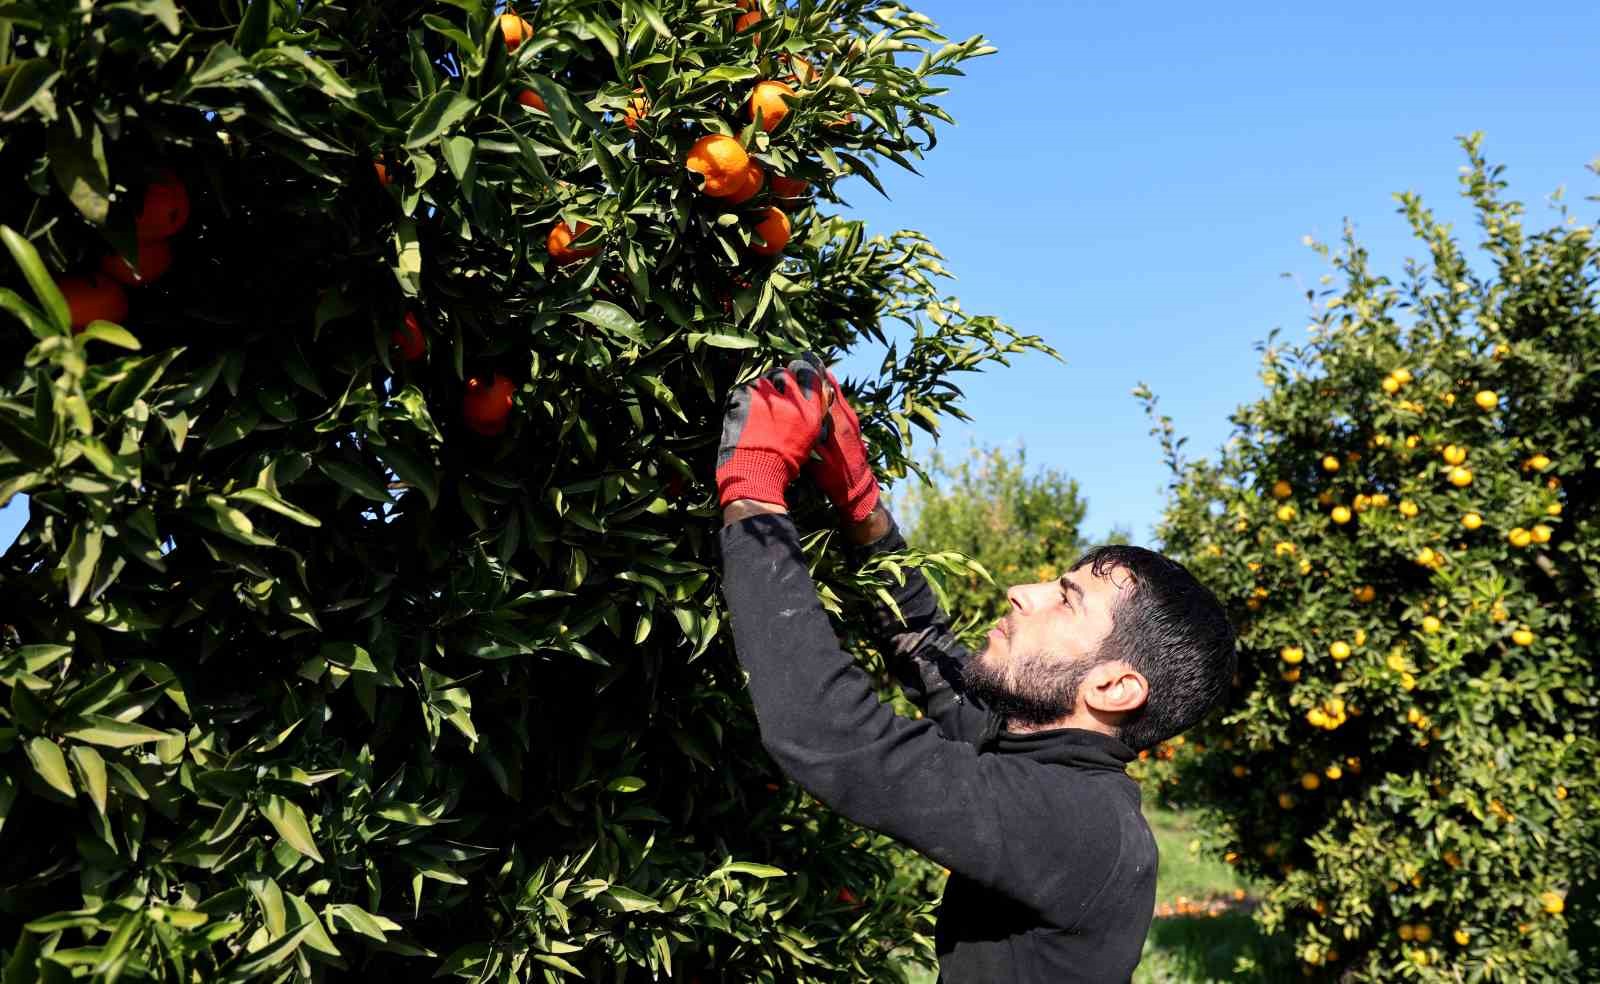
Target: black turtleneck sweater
1052, 866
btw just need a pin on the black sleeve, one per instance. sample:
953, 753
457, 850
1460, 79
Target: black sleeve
921, 651
980, 815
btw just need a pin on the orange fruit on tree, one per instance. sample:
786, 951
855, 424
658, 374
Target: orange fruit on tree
1282, 489
408, 338
1340, 515
754, 177
1541, 533
1460, 476
154, 257
637, 108
486, 405
165, 209
788, 190
766, 99
1486, 399
721, 160
559, 242
1471, 520
93, 297
532, 100
772, 232
745, 21
514, 30
1519, 537
382, 171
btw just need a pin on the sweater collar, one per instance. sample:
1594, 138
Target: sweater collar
1074, 747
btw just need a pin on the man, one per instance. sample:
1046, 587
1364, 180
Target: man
1015, 779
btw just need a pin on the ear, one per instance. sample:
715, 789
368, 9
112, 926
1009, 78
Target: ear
1114, 687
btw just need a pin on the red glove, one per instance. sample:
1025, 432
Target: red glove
843, 473
769, 429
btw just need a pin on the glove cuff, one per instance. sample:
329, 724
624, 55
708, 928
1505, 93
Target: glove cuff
860, 498
751, 474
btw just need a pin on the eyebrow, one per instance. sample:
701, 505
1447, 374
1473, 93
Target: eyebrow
1067, 585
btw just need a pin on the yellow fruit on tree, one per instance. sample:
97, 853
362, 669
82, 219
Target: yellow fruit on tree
1366, 594
1283, 549
1431, 625
1291, 654
1286, 801
1362, 503
1522, 637
1317, 717
721, 160
1552, 902
1339, 650
1553, 509
1471, 520
1538, 462
1462, 937
1408, 508
1291, 675
1561, 792
1330, 463
1460, 477
1422, 933
1281, 489
1540, 533
1340, 515
1333, 771
1380, 499
1455, 454
1519, 537
1285, 513
1487, 399
1390, 384
1406, 932
1402, 375
1310, 781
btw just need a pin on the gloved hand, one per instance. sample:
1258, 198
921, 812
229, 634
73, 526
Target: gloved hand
768, 432
843, 473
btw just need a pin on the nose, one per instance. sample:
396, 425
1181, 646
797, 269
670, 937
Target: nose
1018, 599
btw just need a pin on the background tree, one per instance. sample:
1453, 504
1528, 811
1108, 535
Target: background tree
1404, 530
1019, 524
363, 364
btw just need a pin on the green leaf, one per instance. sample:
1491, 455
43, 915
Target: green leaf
29, 315
441, 111
29, 88
92, 773
318, 938
758, 870
720, 340
406, 813
286, 816
78, 163
51, 766
267, 500
222, 62
8, 796
558, 963
253, 28
111, 334
271, 955
359, 920
604, 314
40, 657
83, 555
357, 480
625, 899
625, 784
44, 287
111, 733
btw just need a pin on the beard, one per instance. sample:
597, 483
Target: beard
1033, 688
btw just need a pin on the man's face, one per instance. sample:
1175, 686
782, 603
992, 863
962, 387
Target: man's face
1037, 656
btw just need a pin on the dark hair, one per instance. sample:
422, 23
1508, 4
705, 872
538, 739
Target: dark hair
1173, 631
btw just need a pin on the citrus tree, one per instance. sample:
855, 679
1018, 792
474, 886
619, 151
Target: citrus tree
1405, 530
1018, 524
362, 366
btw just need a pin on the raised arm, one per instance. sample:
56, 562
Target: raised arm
921, 650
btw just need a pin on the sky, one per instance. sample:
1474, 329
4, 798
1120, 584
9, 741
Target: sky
1134, 187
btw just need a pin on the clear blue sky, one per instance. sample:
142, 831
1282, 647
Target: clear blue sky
1132, 183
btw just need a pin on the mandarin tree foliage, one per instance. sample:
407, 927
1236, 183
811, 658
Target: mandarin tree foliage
364, 622
1405, 531
990, 506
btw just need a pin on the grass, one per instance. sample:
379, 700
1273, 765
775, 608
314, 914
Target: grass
1203, 949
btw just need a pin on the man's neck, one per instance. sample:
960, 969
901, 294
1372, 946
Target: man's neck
1083, 722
